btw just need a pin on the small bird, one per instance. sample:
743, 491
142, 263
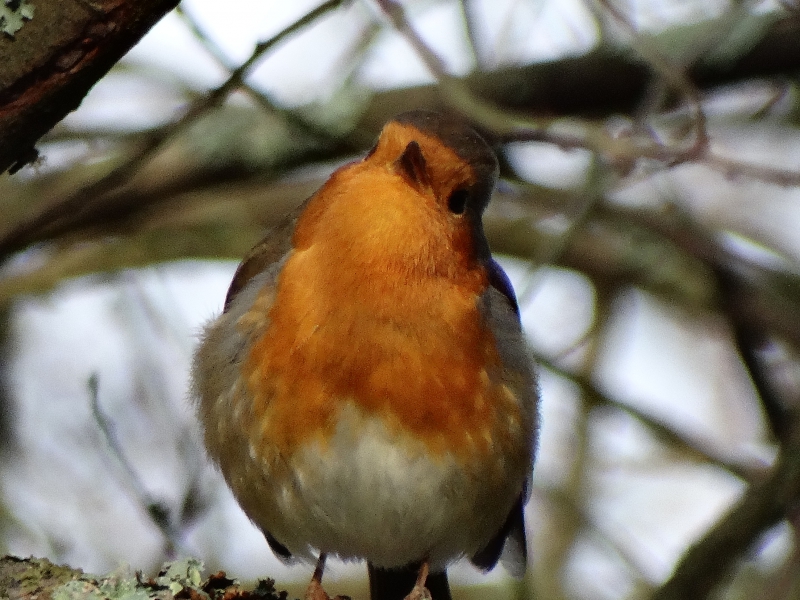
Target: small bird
367, 392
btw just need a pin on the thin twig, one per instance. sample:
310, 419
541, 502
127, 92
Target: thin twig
595, 396
763, 505
214, 49
750, 342
587, 201
470, 29
156, 510
625, 149
583, 518
291, 117
674, 76
735, 169
584, 134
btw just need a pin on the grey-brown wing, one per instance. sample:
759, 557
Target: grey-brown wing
224, 342
509, 544
269, 251
501, 311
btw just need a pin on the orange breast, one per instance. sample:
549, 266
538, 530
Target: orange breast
399, 335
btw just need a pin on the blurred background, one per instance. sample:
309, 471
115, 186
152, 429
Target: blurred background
648, 215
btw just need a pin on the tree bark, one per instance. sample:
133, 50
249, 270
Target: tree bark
52, 62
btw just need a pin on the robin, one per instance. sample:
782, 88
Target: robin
366, 391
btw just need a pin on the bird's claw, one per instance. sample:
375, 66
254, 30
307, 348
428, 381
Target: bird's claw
419, 592
315, 591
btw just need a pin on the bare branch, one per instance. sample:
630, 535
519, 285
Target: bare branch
671, 74
763, 505
568, 134
259, 97
156, 510
695, 448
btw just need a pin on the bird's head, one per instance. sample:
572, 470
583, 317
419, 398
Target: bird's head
439, 155
414, 202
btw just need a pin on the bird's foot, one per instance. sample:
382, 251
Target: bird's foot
315, 591
419, 592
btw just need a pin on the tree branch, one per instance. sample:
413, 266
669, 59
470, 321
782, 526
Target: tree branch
763, 505
55, 59
88, 203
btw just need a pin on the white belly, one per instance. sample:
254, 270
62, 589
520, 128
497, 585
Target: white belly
371, 494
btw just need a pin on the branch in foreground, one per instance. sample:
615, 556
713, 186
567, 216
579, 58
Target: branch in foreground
56, 58
62, 216
574, 77
29, 578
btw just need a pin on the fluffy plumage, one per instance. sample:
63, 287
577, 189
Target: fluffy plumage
367, 392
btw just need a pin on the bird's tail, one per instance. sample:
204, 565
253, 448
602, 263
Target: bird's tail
395, 584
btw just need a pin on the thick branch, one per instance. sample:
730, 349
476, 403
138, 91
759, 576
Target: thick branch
56, 58
603, 82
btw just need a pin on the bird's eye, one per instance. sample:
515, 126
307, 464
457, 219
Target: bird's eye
457, 202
